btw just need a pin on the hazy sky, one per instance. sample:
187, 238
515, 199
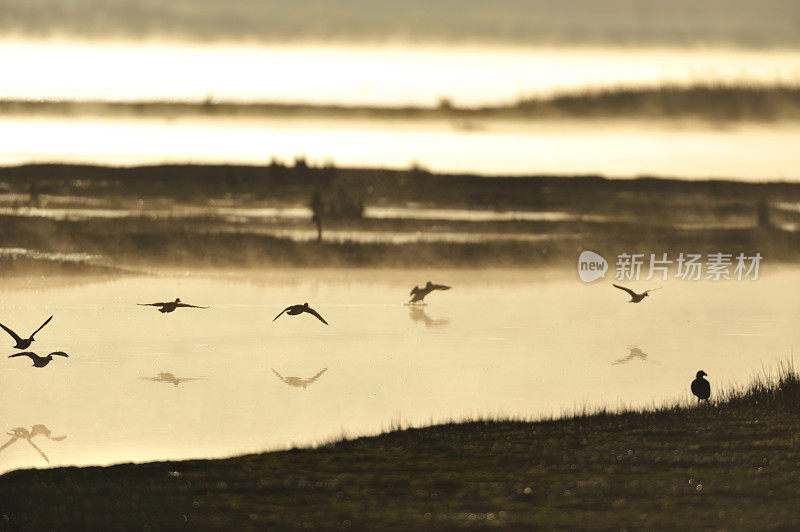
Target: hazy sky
680, 22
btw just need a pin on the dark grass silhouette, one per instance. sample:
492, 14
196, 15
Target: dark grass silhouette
707, 102
731, 464
711, 102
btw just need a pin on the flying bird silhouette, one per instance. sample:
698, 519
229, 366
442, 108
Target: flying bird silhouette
165, 376
169, 306
418, 294
701, 387
38, 361
24, 343
299, 382
294, 310
635, 298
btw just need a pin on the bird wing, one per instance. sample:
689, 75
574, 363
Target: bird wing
151, 304
439, 287
631, 292
12, 333
60, 353
188, 305
315, 377
413, 290
28, 354
42, 327
276, 373
279, 315
315, 313
653, 289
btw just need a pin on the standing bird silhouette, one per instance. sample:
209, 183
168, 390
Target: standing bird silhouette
418, 294
169, 306
39, 362
294, 310
701, 387
635, 298
24, 343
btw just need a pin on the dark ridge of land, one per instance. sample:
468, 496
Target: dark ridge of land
522, 22
703, 102
294, 184
610, 217
729, 465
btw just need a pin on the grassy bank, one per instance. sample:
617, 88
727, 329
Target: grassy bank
733, 464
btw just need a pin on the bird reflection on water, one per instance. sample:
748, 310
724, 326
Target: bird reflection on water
22, 433
165, 376
418, 315
635, 352
299, 382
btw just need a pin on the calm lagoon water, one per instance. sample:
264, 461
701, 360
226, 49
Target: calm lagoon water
515, 343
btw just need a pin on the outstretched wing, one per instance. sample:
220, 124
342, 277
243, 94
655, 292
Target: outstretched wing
28, 354
279, 315
60, 353
439, 287
315, 313
315, 377
631, 292
276, 373
12, 333
42, 327
151, 304
414, 290
653, 289
188, 305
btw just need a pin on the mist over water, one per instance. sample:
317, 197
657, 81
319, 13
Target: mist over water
140, 385
393, 75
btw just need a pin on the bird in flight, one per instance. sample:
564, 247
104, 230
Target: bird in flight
169, 306
701, 387
299, 382
165, 376
635, 298
418, 294
24, 343
39, 362
294, 310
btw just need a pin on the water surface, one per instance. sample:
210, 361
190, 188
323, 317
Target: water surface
517, 343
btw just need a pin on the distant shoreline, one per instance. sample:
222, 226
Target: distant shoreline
721, 102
